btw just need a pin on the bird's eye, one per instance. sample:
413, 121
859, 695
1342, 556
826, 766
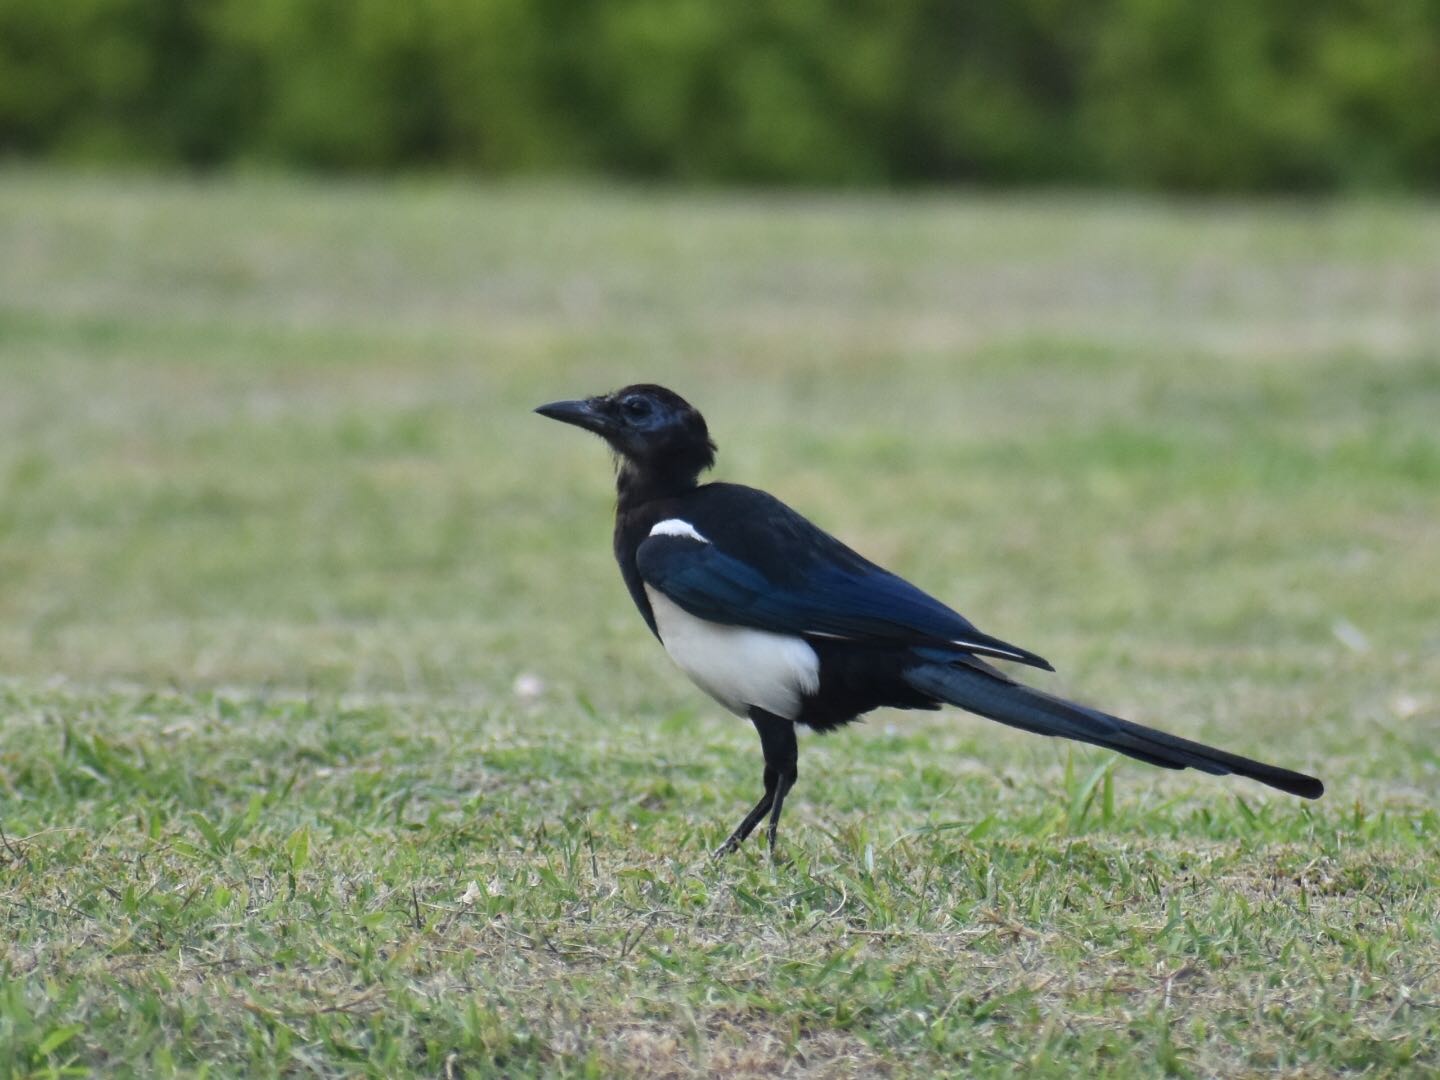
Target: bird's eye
636, 407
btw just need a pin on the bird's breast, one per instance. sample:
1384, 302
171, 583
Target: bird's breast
739, 667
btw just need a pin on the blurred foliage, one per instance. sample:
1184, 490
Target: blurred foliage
1224, 95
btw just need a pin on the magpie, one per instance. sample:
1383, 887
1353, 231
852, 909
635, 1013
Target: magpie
783, 624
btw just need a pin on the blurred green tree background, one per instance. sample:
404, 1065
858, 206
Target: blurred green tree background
1223, 95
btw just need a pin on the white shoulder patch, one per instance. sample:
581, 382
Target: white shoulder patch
676, 527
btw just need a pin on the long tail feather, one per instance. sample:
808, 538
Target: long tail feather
1044, 714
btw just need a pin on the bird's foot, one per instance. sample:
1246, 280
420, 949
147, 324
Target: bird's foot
729, 847
770, 837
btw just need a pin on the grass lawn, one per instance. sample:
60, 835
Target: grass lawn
330, 743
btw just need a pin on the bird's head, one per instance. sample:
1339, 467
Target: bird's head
659, 437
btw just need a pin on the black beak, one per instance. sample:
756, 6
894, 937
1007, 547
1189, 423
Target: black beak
583, 414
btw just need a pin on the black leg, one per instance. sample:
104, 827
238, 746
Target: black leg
787, 781
746, 827
777, 742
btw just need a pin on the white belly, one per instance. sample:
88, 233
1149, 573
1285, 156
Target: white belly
738, 667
